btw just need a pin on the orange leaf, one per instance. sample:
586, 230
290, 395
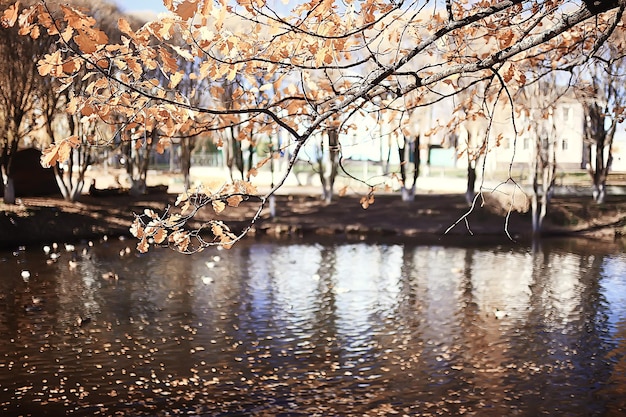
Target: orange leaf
9, 17
169, 63
160, 235
50, 64
180, 239
59, 152
234, 201
187, 9
136, 229
71, 66
218, 206
134, 66
85, 43
143, 246
175, 79
125, 28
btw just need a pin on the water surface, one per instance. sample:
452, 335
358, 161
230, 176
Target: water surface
326, 329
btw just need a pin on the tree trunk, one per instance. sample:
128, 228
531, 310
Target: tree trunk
407, 149
137, 186
185, 162
333, 153
534, 204
601, 140
470, 192
9, 190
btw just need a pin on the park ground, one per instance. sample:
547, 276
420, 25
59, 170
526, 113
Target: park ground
439, 214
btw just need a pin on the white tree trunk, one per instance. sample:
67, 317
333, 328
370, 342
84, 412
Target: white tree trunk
408, 194
599, 193
272, 201
534, 203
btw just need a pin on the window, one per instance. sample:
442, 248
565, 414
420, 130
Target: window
564, 144
526, 143
566, 113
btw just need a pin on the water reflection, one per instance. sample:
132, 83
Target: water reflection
314, 329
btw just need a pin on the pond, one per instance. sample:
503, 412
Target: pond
314, 329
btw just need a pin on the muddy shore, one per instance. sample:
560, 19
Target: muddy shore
37, 221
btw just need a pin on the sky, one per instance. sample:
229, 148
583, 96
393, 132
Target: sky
141, 5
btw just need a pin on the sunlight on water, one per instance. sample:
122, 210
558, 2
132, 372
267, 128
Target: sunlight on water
314, 329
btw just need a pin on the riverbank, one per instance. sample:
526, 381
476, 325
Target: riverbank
38, 221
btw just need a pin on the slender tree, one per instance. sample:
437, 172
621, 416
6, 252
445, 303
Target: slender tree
540, 101
602, 94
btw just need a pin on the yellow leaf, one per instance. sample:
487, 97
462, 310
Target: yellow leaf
232, 73
72, 106
183, 53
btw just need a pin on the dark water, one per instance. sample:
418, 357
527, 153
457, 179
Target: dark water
350, 329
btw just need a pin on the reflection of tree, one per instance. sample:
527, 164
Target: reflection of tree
561, 340
615, 391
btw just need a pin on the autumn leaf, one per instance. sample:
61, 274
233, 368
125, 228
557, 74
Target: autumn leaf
85, 43
367, 201
187, 9
71, 66
9, 17
223, 234
181, 198
136, 229
143, 246
180, 239
218, 206
125, 28
185, 208
175, 79
50, 64
160, 236
234, 201
505, 40
169, 62
59, 152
